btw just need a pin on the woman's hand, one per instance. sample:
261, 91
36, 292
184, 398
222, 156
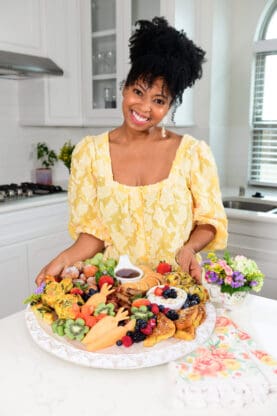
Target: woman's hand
54, 268
185, 257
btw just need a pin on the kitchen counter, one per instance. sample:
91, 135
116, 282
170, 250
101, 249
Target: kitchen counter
35, 382
32, 202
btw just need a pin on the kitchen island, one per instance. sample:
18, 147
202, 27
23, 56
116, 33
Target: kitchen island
35, 382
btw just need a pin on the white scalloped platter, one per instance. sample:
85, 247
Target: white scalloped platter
120, 358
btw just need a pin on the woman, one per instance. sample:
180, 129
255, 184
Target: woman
140, 189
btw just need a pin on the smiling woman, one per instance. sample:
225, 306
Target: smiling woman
138, 189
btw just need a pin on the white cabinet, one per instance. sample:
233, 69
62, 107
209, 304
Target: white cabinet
257, 240
42, 250
50, 100
14, 285
21, 24
30, 237
106, 29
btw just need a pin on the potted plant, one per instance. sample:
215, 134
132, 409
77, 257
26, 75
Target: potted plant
47, 159
66, 154
230, 279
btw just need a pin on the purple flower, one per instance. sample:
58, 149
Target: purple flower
253, 283
238, 276
39, 290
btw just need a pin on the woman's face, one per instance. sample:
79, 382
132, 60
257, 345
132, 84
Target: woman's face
144, 106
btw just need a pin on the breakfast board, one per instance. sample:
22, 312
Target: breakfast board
137, 356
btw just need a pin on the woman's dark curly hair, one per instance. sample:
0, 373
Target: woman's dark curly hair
159, 50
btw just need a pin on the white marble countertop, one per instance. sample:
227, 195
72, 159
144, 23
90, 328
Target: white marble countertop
34, 382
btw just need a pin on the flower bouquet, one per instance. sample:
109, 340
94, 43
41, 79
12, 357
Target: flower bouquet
231, 278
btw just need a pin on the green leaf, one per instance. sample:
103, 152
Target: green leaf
34, 298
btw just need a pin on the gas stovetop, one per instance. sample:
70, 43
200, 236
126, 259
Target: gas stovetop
16, 192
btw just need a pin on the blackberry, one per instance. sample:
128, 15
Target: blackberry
119, 343
166, 293
85, 296
173, 294
138, 336
195, 297
193, 302
129, 333
173, 315
141, 323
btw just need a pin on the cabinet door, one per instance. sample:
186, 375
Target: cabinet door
56, 101
42, 250
14, 286
21, 25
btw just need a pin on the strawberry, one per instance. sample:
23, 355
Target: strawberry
164, 267
158, 291
90, 270
105, 279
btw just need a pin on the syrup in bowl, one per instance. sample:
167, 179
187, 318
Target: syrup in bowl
125, 271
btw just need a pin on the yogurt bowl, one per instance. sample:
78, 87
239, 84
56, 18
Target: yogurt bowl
172, 303
127, 272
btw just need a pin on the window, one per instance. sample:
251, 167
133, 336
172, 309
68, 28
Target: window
263, 169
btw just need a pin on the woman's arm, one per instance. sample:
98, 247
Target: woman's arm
84, 247
200, 237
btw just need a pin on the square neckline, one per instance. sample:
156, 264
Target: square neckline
151, 185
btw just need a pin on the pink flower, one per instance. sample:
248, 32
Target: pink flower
225, 267
243, 335
228, 280
223, 321
221, 353
208, 366
259, 354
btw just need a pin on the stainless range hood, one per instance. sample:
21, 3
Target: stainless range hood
20, 66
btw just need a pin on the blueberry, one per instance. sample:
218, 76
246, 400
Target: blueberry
85, 296
129, 333
161, 308
193, 302
186, 304
119, 343
92, 291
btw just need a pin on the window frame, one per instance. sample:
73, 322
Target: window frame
262, 47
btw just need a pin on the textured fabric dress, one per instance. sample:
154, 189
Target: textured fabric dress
149, 223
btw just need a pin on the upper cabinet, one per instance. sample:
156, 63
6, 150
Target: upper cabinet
88, 39
21, 24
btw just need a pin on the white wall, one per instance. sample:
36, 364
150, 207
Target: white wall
225, 29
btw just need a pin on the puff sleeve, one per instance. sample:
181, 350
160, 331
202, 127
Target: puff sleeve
206, 195
84, 216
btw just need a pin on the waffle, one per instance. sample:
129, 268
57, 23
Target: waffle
165, 329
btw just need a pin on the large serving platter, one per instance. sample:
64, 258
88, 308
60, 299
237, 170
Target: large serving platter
121, 358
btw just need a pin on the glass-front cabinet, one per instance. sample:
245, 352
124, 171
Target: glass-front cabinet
106, 26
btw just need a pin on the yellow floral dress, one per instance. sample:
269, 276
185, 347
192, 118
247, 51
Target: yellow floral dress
149, 223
